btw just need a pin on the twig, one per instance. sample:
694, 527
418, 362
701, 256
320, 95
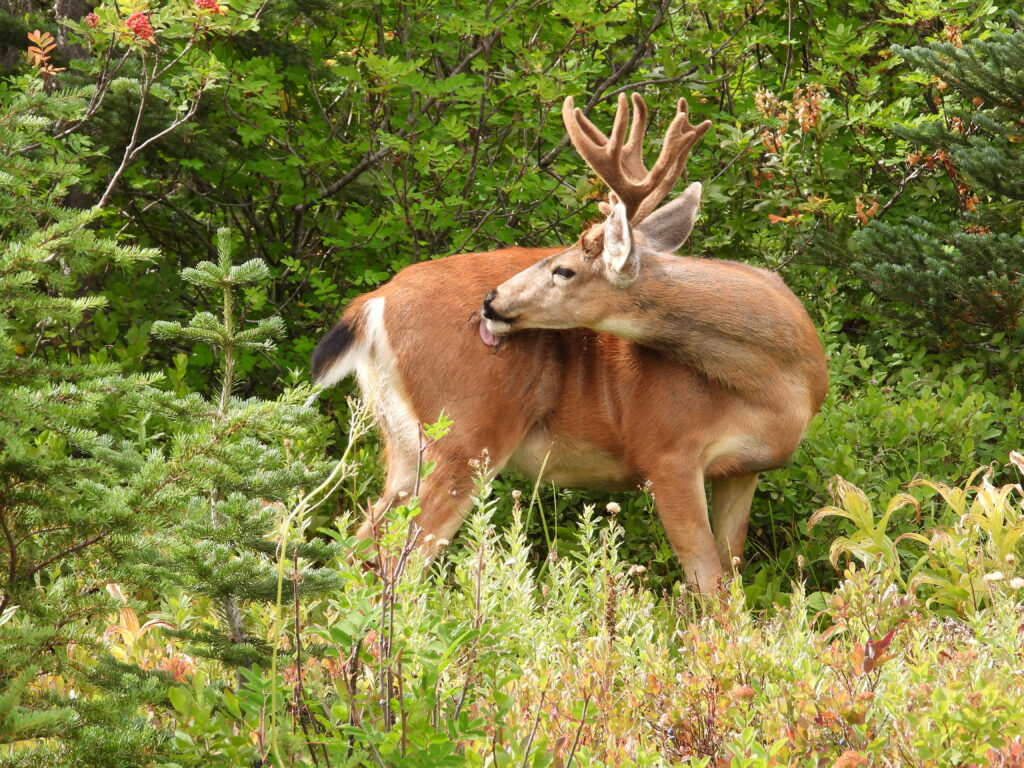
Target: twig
12, 562
106, 77
658, 81
70, 550
899, 190
133, 148
373, 158
401, 702
533, 731
301, 708
729, 165
576, 739
789, 44
599, 92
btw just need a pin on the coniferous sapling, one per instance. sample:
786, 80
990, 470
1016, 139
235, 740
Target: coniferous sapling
251, 458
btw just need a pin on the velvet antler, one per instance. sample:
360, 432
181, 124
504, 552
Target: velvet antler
621, 165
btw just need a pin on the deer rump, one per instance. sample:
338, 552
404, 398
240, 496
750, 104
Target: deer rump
606, 364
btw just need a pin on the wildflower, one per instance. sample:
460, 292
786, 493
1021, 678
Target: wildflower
92, 20
1017, 583
209, 5
807, 104
768, 104
1010, 558
993, 576
636, 570
138, 24
516, 493
613, 508
741, 692
443, 542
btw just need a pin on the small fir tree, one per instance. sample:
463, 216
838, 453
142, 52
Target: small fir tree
964, 277
107, 477
257, 456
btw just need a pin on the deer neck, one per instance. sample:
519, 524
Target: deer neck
718, 317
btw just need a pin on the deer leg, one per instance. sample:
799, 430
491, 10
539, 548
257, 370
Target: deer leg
446, 493
398, 486
683, 508
730, 511
445, 499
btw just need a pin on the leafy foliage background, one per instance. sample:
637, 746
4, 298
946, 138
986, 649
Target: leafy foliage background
154, 436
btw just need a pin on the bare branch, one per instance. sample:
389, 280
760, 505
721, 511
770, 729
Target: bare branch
599, 93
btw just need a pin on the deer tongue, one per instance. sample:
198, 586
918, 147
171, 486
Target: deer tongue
488, 338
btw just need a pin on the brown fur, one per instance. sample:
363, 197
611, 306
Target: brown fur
731, 400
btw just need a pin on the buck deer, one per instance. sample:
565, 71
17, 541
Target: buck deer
605, 364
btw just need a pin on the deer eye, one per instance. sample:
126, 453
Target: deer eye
564, 272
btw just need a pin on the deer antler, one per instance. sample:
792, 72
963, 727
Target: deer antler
621, 165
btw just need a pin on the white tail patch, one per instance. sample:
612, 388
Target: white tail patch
376, 369
356, 353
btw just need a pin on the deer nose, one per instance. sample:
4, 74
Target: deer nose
489, 311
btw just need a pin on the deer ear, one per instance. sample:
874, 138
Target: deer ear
668, 227
619, 256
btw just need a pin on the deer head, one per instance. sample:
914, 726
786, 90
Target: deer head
584, 286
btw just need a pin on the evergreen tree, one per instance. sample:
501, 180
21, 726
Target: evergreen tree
67, 450
964, 280
109, 477
256, 457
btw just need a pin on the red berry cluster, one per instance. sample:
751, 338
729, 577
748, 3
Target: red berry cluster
209, 5
138, 23
92, 19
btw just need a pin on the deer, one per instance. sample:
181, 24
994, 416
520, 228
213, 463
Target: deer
607, 364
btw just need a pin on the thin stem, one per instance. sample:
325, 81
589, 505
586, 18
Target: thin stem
342, 470
533, 731
576, 739
12, 562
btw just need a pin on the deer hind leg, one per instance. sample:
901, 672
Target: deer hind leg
730, 511
683, 508
445, 494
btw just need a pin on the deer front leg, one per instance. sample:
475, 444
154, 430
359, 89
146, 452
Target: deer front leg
683, 508
730, 511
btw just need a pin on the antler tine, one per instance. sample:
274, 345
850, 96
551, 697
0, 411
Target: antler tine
618, 129
621, 165
680, 138
632, 152
576, 123
618, 164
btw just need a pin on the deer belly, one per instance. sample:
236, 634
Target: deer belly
570, 462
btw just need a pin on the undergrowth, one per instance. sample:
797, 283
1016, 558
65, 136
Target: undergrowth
488, 658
